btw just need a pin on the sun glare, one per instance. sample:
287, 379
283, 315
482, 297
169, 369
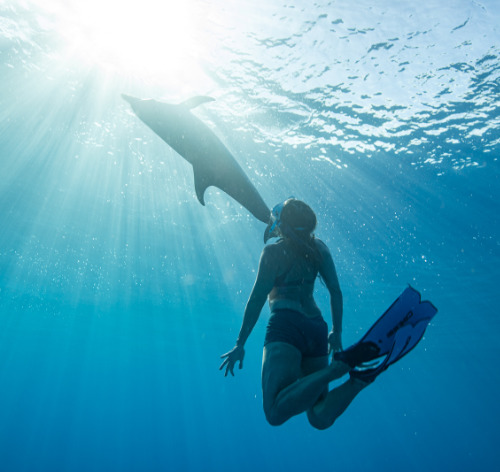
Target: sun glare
138, 37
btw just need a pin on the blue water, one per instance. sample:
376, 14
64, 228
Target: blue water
119, 291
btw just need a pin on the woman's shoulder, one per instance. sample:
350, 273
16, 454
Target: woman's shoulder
274, 247
320, 245
323, 250
277, 250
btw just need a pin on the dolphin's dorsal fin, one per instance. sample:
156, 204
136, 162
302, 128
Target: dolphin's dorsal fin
200, 185
195, 101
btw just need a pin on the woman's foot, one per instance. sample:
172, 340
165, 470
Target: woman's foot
358, 354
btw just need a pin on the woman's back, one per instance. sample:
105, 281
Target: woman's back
297, 271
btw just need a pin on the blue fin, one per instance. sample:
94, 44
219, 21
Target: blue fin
394, 335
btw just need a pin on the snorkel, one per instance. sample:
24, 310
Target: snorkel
273, 227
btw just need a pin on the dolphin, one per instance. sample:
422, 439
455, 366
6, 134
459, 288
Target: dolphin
213, 164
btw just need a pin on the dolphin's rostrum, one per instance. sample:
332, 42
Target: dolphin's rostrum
213, 164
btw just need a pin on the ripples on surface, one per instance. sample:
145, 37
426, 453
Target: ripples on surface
420, 80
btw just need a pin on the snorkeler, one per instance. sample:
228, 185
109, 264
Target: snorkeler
296, 370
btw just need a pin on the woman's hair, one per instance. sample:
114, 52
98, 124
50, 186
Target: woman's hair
299, 217
297, 224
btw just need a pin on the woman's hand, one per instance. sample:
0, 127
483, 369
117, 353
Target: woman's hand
334, 342
231, 358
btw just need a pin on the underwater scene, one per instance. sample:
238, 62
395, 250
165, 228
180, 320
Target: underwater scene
119, 291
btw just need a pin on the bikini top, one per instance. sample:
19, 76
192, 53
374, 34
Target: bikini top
282, 282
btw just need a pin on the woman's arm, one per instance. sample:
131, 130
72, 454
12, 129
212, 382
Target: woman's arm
262, 286
264, 283
329, 275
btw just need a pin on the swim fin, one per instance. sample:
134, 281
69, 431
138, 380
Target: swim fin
393, 335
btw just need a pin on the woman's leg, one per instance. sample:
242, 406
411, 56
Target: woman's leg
324, 413
286, 391
332, 403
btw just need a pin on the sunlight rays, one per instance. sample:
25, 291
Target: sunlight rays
139, 38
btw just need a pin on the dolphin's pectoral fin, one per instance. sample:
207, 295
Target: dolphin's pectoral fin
200, 185
195, 101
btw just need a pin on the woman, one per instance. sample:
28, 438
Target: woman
295, 369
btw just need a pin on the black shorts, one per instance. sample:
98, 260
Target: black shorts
308, 335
